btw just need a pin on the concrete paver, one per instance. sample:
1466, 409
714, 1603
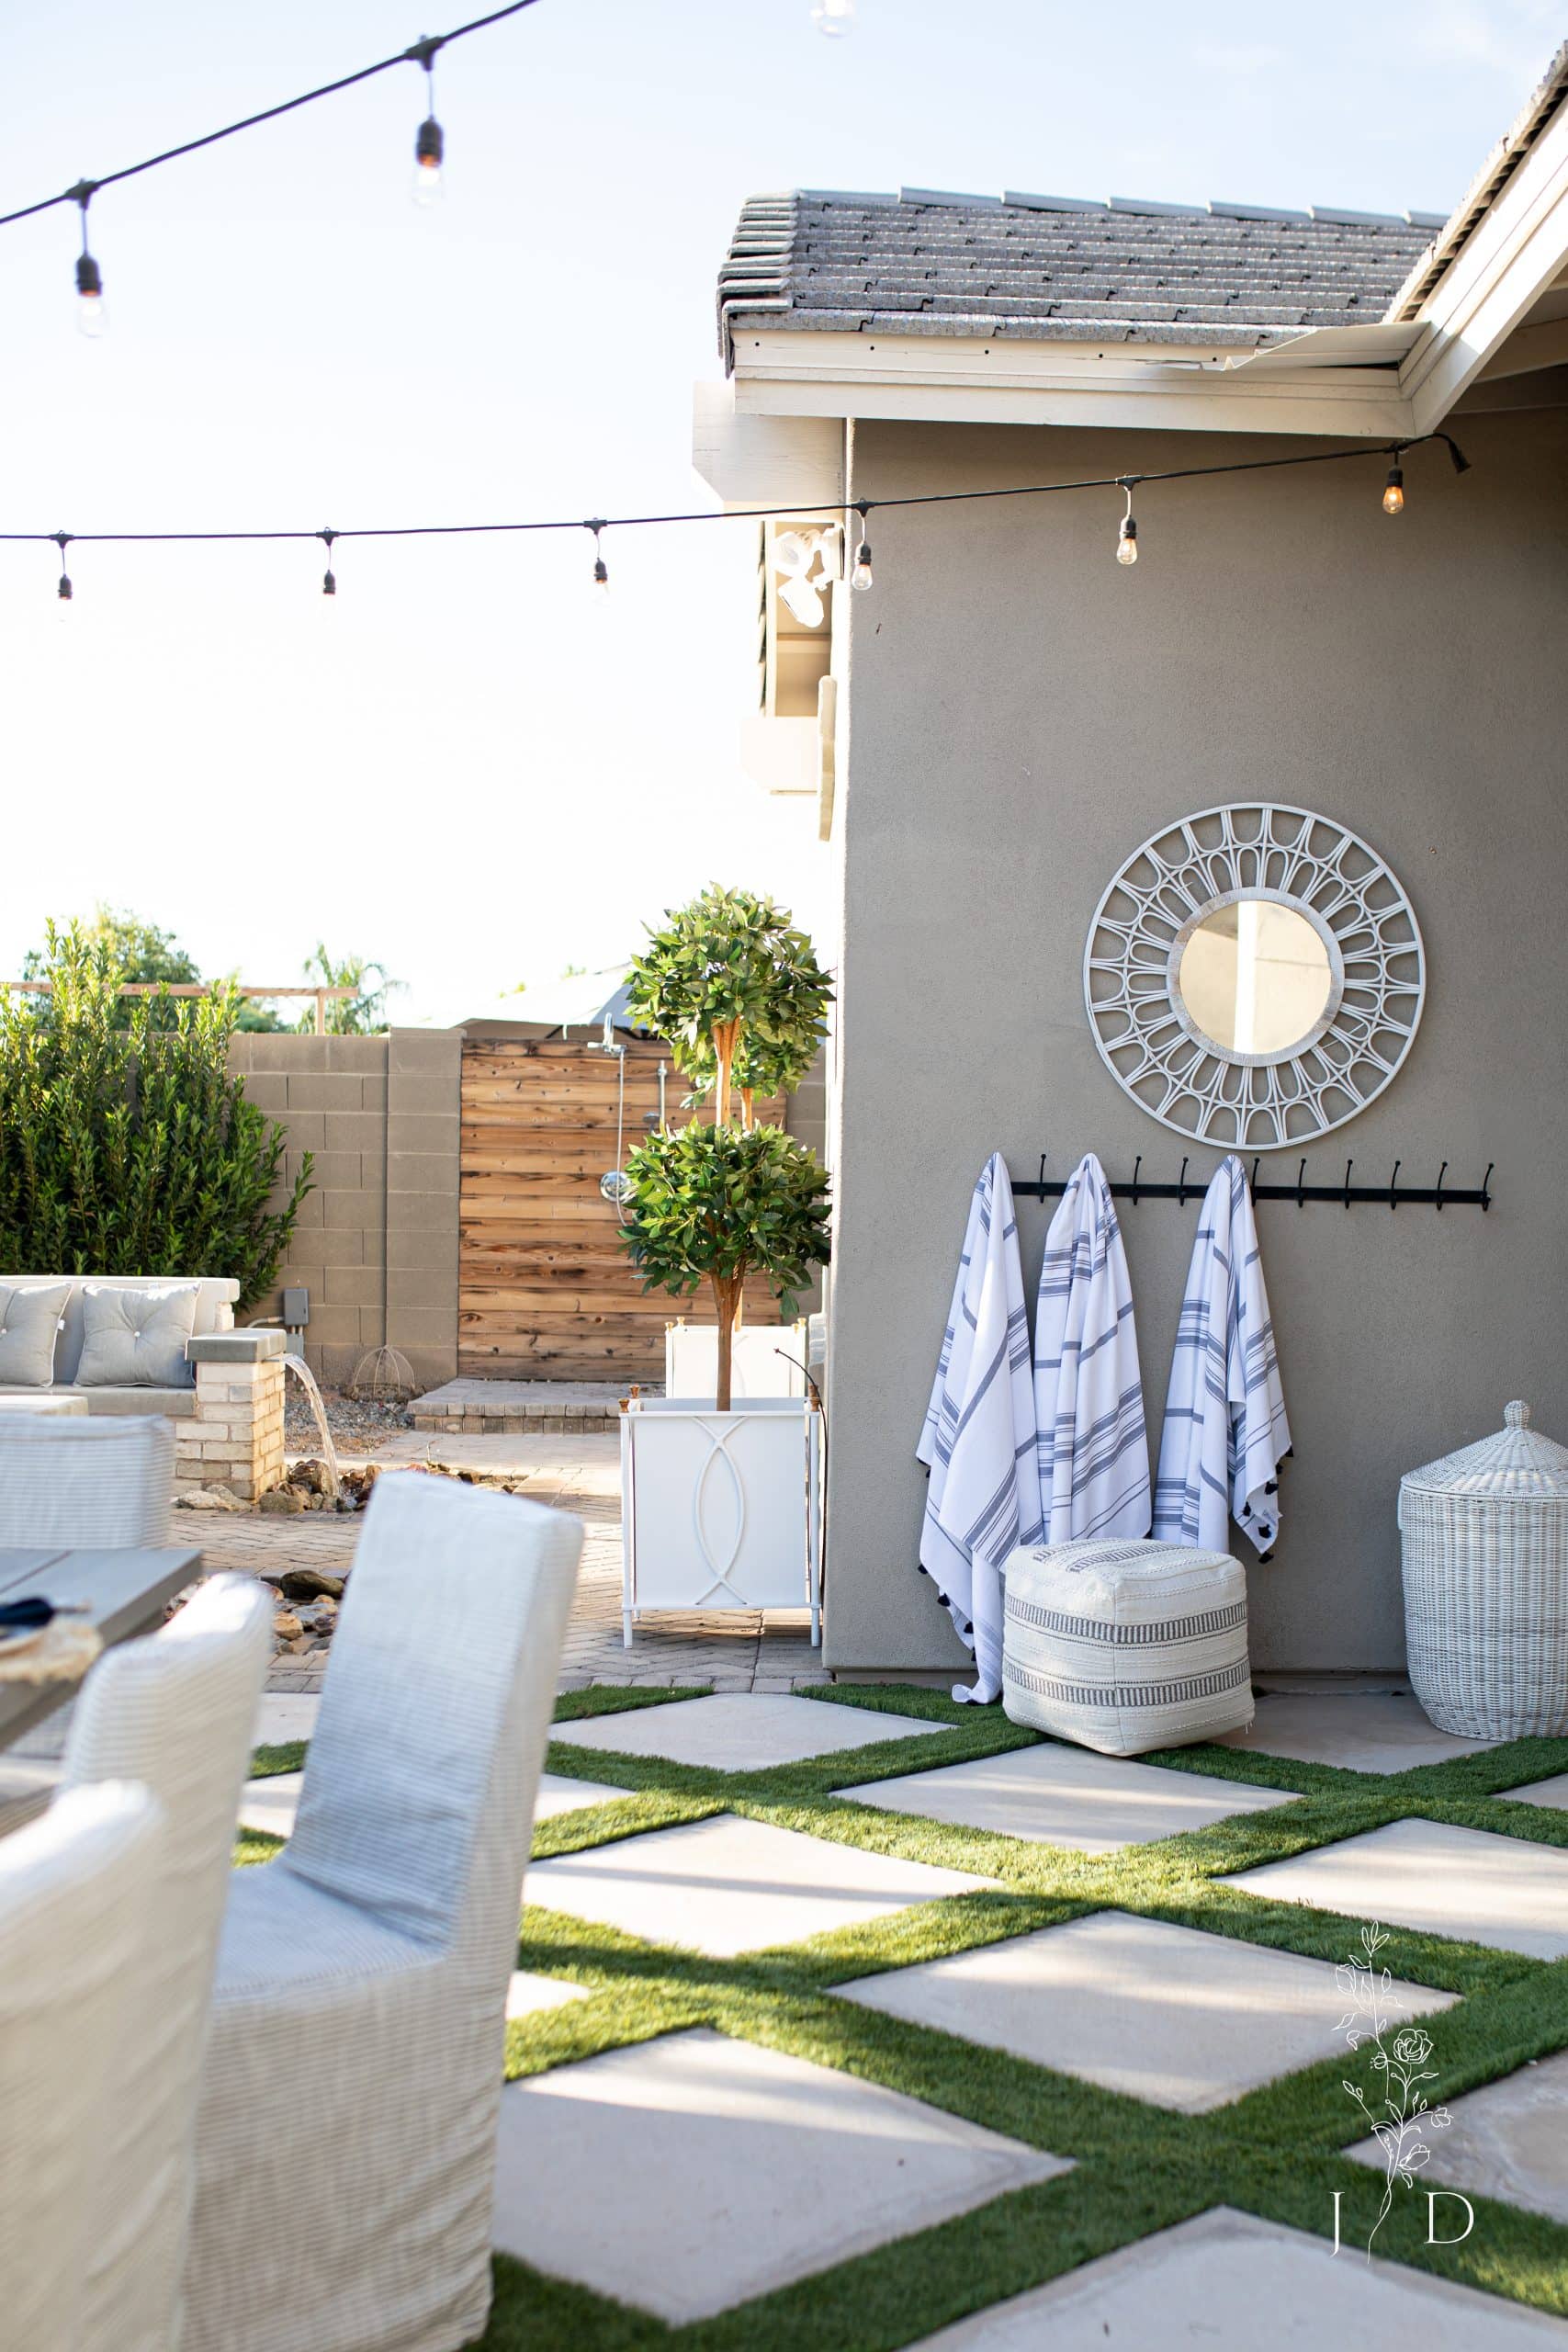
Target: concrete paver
687, 2174
1068, 1796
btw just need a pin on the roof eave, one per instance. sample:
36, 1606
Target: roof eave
1504, 160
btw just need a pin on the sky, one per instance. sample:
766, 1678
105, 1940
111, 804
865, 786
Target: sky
467, 764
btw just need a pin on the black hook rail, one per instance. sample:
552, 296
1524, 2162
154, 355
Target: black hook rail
1342, 1195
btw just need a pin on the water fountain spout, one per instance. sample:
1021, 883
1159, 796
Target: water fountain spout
307, 1379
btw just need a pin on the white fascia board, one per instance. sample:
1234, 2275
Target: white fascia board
1146, 387
756, 460
1516, 252
1381, 344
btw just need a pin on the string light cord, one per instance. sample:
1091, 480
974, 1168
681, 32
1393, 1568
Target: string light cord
863, 507
420, 52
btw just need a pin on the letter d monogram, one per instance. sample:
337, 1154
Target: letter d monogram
1432, 2197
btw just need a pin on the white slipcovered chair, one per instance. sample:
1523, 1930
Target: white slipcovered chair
346, 2149
77, 1888
94, 1484
175, 1712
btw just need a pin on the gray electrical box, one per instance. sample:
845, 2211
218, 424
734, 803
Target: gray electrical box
296, 1307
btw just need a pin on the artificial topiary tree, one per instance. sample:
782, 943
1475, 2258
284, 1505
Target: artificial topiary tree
738, 994
718, 1203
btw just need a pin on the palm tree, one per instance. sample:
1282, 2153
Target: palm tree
360, 1015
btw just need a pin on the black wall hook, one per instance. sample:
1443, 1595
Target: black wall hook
1342, 1192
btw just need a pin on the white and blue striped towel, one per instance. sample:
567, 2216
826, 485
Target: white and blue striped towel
1088, 1395
978, 1439
1225, 1433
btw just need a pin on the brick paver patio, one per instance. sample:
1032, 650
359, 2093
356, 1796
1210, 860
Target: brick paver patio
579, 1473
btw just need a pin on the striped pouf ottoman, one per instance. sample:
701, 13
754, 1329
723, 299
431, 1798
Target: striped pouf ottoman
1126, 1646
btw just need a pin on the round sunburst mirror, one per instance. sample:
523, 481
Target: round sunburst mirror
1254, 975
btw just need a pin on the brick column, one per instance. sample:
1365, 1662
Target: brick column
236, 1437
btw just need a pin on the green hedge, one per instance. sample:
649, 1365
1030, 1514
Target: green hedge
133, 1150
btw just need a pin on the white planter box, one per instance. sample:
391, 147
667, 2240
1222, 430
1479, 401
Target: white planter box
757, 1368
720, 1511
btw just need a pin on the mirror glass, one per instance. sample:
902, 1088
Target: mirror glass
1256, 977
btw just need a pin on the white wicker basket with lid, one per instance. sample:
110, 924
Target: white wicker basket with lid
1485, 1563
1126, 1646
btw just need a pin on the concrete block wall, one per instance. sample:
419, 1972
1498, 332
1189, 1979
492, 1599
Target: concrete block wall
424, 1125
380, 1117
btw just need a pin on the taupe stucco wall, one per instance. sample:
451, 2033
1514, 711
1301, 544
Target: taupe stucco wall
805, 1117
381, 1116
1024, 712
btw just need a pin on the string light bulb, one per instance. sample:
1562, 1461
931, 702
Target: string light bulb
601, 569
860, 576
64, 592
833, 18
1394, 495
1127, 533
91, 320
329, 577
430, 141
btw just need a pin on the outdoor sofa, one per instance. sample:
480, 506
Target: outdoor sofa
226, 1403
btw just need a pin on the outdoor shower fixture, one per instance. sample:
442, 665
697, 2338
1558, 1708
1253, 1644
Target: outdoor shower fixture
614, 1184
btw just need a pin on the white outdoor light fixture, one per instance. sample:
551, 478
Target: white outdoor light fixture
806, 562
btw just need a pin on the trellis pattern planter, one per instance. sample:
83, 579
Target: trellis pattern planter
720, 1511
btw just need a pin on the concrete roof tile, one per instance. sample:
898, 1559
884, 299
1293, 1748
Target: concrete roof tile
927, 262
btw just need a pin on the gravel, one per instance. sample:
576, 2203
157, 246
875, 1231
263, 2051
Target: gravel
358, 1424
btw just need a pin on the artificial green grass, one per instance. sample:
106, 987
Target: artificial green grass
1274, 2151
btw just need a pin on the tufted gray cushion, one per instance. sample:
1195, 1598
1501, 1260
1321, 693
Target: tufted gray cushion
135, 1338
29, 1325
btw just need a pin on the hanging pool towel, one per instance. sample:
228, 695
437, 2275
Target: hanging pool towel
978, 1439
1088, 1395
1225, 1433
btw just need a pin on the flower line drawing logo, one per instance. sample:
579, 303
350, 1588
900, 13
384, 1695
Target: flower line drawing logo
1403, 2115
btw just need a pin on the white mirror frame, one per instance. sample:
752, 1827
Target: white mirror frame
1178, 879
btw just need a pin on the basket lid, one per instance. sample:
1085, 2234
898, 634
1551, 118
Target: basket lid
1517, 1462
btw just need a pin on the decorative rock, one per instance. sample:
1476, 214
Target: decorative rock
281, 1500
311, 1584
287, 1627
217, 1498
